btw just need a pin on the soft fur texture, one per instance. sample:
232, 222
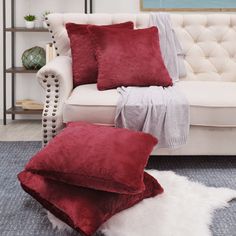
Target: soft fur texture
129, 58
185, 208
84, 63
97, 157
81, 208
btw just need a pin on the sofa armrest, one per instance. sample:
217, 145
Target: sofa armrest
56, 78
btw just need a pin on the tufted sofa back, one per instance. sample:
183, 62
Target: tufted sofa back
208, 40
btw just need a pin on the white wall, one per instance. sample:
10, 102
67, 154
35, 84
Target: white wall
26, 85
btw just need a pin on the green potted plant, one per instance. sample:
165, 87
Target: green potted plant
30, 21
44, 15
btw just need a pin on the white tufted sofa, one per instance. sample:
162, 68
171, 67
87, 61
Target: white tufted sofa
209, 43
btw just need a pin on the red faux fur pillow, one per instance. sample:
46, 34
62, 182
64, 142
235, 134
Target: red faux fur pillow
129, 58
84, 64
81, 208
95, 156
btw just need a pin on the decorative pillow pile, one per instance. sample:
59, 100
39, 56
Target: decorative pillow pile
116, 55
88, 173
129, 58
95, 156
81, 208
84, 64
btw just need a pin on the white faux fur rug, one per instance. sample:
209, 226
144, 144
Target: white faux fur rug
185, 208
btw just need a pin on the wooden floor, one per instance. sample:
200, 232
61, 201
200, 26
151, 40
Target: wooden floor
20, 130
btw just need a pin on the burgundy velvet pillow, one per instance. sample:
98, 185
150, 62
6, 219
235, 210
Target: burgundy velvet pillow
129, 58
83, 55
81, 208
95, 156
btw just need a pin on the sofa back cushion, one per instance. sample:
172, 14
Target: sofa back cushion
208, 40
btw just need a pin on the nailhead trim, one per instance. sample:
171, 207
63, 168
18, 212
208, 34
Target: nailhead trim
52, 86
53, 36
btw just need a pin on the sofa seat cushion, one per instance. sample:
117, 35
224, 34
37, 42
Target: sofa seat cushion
211, 103
87, 103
